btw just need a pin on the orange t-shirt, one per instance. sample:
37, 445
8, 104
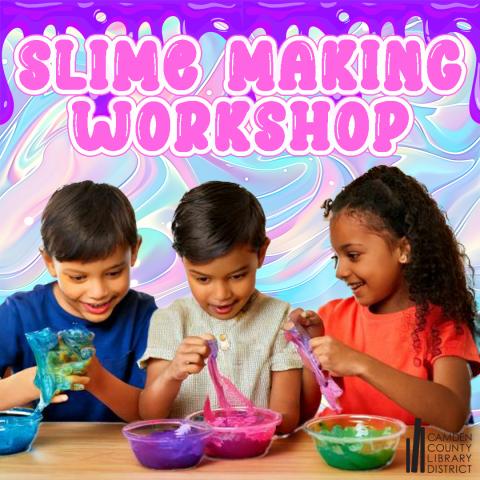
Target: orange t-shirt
388, 338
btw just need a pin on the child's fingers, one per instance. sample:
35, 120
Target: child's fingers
194, 359
186, 364
295, 315
77, 382
320, 342
194, 368
75, 368
309, 318
195, 345
207, 336
59, 398
288, 325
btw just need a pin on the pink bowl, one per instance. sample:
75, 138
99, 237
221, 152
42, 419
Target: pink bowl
243, 436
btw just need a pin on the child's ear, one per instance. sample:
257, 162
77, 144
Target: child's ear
48, 262
262, 252
135, 251
404, 251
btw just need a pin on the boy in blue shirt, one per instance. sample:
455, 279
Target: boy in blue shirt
90, 242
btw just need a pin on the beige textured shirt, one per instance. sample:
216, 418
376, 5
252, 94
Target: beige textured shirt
251, 346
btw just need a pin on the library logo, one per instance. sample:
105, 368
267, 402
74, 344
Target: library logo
415, 453
436, 451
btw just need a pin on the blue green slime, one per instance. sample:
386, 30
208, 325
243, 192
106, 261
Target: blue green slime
353, 456
59, 355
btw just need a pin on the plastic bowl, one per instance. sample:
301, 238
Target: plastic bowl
159, 444
356, 442
245, 436
18, 429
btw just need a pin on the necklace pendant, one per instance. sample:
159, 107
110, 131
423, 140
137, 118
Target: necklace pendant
224, 343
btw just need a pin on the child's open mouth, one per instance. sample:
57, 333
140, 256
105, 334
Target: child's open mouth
355, 286
223, 309
97, 308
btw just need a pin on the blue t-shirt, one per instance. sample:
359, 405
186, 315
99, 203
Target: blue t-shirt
119, 341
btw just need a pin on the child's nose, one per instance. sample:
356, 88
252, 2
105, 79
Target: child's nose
342, 270
222, 291
98, 290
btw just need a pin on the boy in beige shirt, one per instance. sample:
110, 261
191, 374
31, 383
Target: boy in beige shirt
219, 233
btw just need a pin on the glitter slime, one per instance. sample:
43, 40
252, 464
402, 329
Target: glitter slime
18, 429
356, 442
240, 430
167, 444
59, 355
330, 390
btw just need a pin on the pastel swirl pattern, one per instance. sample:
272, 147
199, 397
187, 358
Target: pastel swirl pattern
36, 156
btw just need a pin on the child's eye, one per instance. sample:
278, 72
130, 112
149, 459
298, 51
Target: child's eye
116, 273
76, 278
353, 256
238, 276
202, 279
335, 260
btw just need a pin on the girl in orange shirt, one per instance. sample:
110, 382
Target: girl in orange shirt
403, 343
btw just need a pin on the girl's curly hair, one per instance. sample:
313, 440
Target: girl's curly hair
436, 272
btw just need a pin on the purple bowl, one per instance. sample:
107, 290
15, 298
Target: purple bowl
247, 436
160, 444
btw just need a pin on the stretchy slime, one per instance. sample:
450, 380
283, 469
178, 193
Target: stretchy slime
59, 355
228, 395
330, 390
240, 429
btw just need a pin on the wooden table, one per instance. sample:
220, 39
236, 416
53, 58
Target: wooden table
84, 451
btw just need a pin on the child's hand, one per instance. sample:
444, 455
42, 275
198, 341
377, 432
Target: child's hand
308, 319
78, 374
336, 357
78, 382
190, 357
29, 375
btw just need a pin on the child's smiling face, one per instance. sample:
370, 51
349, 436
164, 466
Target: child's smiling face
91, 290
224, 285
370, 263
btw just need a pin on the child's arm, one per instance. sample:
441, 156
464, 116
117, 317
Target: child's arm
448, 392
285, 398
18, 389
117, 395
310, 396
164, 378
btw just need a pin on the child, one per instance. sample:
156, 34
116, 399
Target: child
403, 343
90, 241
219, 234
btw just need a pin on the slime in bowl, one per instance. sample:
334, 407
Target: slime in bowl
167, 443
243, 433
356, 442
18, 429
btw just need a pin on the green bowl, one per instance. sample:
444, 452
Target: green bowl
356, 442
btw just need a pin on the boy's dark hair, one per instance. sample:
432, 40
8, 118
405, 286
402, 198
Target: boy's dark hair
397, 204
213, 218
87, 221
